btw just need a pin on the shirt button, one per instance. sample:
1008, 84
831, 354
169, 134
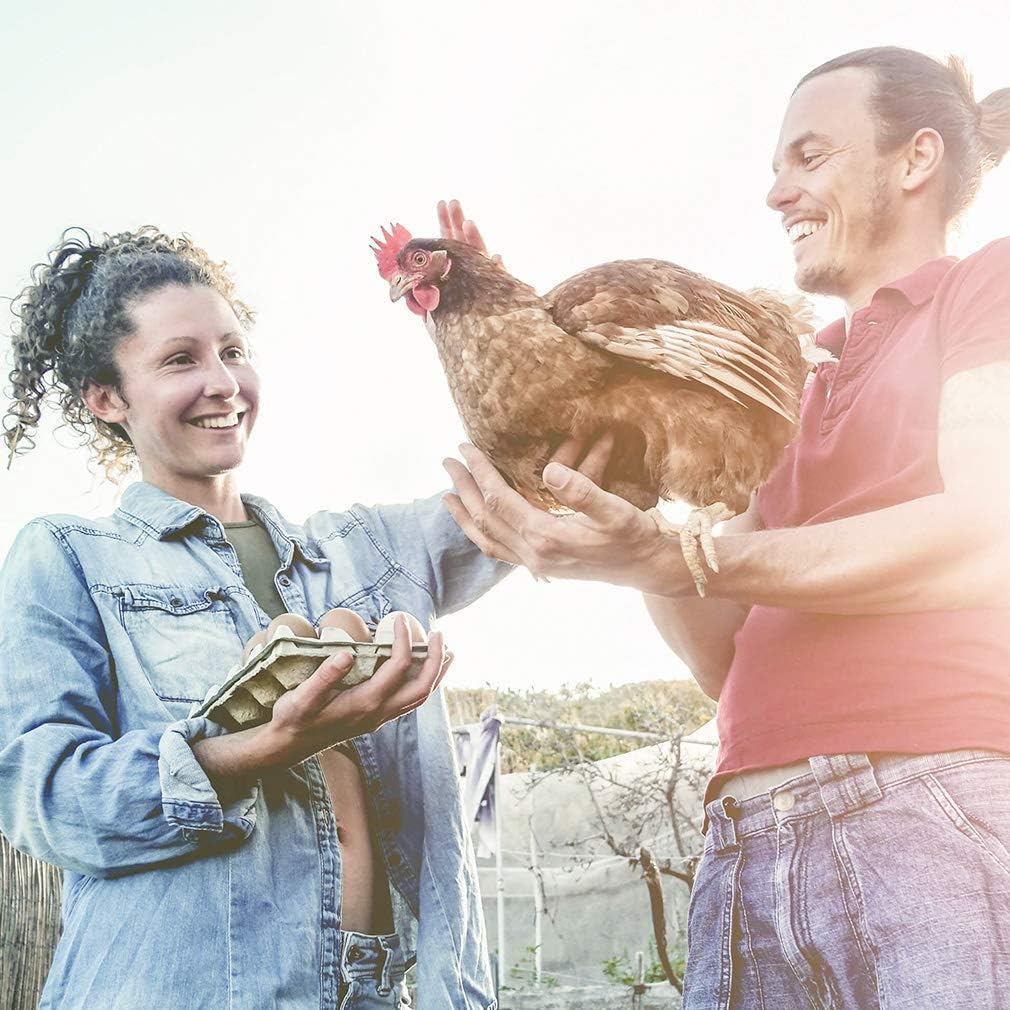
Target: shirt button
784, 801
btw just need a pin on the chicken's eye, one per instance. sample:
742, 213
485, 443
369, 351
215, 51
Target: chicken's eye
419, 259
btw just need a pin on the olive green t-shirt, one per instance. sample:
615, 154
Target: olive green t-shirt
257, 557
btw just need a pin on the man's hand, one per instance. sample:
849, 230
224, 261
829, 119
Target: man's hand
317, 714
454, 225
608, 540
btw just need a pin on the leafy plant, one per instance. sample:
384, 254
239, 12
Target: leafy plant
525, 969
622, 969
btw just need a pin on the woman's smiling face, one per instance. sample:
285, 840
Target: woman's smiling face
189, 393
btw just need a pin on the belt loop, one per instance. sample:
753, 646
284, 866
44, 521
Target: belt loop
846, 782
385, 986
722, 815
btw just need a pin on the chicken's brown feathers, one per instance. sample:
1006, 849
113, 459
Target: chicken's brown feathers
700, 383
674, 320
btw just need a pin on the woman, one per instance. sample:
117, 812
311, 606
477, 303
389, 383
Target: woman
261, 868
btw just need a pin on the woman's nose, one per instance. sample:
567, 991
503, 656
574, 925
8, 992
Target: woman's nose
220, 381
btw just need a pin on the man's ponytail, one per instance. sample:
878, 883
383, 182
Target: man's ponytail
994, 124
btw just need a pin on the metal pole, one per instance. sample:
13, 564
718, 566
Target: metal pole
499, 872
579, 728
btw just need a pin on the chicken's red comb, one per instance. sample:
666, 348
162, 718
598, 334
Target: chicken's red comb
388, 248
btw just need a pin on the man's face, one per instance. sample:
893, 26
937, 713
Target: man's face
838, 196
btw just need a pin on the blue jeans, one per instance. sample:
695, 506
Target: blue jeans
875, 881
371, 972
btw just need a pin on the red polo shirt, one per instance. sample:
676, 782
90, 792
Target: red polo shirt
804, 683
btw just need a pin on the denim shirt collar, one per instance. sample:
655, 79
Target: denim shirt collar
162, 515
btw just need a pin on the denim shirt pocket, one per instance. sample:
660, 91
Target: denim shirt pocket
371, 605
184, 638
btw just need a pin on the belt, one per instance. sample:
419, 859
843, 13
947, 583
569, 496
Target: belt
743, 785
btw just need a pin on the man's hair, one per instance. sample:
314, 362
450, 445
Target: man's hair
914, 92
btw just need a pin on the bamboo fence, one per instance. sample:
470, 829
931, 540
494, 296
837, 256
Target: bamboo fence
30, 894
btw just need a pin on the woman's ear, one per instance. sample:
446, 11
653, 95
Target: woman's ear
104, 402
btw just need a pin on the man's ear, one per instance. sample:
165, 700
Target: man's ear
923, 157
104, 402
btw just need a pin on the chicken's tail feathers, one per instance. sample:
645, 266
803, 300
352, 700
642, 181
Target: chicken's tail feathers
796, 313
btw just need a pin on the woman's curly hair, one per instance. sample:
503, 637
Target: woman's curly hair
71, 318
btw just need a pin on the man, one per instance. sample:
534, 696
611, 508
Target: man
858, 854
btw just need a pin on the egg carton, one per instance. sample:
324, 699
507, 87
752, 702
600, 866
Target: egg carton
247, 696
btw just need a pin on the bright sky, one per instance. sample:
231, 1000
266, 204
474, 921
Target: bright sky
281, 135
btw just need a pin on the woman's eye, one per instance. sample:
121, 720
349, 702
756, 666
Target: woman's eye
236, 353
811, 160
179, 359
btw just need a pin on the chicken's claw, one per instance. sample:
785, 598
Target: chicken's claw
696, 532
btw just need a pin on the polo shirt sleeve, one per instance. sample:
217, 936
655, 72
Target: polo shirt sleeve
74, 791
974, 320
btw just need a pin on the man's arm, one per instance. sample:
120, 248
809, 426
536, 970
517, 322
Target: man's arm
701, 631
945, 551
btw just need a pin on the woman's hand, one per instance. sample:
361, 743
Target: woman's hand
608, 540
454, 225
318, 713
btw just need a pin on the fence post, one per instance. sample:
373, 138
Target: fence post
638, 990
539, 907
499, 871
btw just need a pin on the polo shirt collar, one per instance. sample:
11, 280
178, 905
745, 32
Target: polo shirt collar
915, 288
920, 285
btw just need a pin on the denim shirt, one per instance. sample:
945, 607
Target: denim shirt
111, 629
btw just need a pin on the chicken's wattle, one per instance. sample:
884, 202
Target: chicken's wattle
423, 299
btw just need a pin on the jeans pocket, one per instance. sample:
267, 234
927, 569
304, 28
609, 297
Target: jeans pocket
709, 977
975, 799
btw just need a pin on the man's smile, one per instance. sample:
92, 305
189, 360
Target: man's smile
802, 229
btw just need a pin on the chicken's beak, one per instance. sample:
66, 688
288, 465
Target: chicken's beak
399, 286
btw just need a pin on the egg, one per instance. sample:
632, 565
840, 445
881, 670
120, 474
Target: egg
259, 639
384, 629
297, 625
347, 621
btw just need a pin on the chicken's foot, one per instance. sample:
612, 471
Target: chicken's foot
694, 533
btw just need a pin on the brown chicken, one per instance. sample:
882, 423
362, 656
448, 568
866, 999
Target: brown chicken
699, 383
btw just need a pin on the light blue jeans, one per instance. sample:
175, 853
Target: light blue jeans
876, 881
371, 972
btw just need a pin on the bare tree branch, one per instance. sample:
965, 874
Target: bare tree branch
659, 918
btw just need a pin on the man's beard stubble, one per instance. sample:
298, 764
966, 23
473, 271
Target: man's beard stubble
831, 278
